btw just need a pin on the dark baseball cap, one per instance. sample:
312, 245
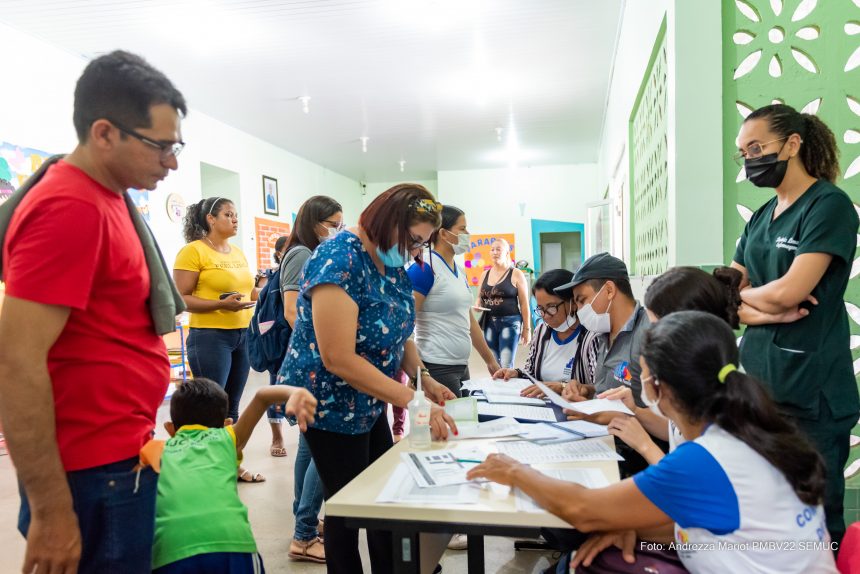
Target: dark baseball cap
600, 266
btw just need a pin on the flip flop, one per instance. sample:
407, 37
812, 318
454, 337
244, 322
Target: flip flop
278, 451
256, 477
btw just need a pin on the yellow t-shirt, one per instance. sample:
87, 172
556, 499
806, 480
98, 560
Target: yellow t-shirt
219, 273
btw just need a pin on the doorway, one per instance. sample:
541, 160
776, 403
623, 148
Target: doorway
219, 182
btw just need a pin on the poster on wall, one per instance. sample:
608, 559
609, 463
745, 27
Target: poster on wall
478, 257
16, 165
141, 201
267, 232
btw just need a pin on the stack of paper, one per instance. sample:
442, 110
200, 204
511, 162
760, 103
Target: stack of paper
524, 412
588, 477
509, 399
499, 386
529, 453
442, 467
586, 407
551, 433
402, 488
505, 426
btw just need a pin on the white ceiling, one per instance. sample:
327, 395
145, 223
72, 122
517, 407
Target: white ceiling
427, 81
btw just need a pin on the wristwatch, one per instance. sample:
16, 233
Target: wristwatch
413, 382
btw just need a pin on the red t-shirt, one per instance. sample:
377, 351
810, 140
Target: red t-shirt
71, 242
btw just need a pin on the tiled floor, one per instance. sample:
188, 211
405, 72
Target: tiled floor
270, 511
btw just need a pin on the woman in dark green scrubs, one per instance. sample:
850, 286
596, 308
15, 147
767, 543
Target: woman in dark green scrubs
796, 254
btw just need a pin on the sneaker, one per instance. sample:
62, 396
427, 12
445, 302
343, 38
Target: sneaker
307, 550
458, 542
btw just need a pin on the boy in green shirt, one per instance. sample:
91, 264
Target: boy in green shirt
201, 526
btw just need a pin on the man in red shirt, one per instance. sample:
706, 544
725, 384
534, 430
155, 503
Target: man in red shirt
82, 370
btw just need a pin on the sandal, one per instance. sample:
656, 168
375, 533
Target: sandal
307, 550
278, 451
256, 477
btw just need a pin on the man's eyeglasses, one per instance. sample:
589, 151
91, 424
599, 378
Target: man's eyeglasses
550, 310
167, 148
753, 151
337, 226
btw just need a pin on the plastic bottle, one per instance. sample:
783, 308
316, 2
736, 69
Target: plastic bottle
419, 418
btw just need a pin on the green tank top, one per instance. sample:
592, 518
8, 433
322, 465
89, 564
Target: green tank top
198, 510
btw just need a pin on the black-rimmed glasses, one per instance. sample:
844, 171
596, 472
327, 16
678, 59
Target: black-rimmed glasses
550, 310
167, 149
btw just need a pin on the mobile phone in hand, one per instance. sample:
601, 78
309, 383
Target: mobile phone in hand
223, 296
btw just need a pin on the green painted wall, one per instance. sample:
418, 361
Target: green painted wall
805, 53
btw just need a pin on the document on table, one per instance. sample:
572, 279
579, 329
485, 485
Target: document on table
402, 488
505, 426
588, 477
517, 411
550, 433
441, 467
585, 407
508, 399
529, 453
500, 386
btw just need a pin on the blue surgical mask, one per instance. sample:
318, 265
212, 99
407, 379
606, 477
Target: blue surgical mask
393, 257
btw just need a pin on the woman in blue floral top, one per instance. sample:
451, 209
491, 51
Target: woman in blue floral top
354, 318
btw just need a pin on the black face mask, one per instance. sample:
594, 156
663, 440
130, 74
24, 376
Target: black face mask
766, 171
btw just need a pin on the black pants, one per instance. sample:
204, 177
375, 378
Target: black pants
832, 438
452, 376
340, 458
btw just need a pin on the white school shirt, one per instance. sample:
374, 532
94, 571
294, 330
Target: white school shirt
442, 325
558, 356
734, 511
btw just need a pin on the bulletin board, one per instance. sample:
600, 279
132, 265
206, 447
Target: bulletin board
478, 257
267, 232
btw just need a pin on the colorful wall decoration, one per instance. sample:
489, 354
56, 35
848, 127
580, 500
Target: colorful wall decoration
16, 165
267, 232
478, 257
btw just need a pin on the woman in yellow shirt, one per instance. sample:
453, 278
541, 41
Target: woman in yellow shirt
218, 287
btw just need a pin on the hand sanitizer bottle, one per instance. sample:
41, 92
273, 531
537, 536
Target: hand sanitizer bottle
419, 418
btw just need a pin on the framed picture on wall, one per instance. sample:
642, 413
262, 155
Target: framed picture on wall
270, 195
598, 233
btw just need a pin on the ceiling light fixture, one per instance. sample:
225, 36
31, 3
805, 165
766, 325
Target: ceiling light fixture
402, 165
305, 100
364, 140
499, 133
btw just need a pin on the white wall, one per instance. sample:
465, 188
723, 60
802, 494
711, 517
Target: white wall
373, 189
493, 198
36, 112
694, 119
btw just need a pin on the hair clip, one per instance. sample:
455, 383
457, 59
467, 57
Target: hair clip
427, 205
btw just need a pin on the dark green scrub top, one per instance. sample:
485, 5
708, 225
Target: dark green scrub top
804, 361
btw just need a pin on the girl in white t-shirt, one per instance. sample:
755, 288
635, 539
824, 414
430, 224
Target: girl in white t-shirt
743, 494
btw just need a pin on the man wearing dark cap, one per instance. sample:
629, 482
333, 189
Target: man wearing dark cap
602, 292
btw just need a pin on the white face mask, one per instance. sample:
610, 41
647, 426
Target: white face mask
593, 321
653, 406
463, 244
568, 323
332, 231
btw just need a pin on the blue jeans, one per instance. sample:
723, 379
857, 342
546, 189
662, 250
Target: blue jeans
221, 355
215, 563
117, 524
503, 335
308, 493
275, 412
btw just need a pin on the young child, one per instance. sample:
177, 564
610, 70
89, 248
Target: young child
201, 526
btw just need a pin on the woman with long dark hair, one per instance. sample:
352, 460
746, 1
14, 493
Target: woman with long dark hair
745, 474
796, 254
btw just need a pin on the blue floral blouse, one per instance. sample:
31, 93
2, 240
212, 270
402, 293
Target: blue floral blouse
386, 317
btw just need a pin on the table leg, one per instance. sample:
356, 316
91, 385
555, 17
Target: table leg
475, 554
406, 557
